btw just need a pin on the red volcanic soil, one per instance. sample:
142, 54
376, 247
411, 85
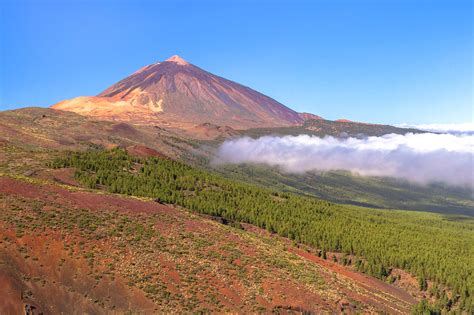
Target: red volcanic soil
369, 290
209, 131
47, 279
379, 288
308, 116
79, 199
143, 151
58, 272
64, 250
61, 176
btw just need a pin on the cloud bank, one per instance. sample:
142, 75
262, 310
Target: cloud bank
421, 158
463, 128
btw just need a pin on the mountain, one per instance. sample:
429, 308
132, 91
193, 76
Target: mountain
177, 93
309, 116
321, 127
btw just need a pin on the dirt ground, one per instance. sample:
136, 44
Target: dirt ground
68, 250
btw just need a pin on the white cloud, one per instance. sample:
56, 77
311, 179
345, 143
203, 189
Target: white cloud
463, 128
421, 158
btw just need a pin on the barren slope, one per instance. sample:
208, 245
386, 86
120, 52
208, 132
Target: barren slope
177, 92
51, 129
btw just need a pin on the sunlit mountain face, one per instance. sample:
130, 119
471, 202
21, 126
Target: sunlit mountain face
177, 92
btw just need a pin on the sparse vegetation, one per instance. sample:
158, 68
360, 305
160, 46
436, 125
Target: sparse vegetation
176, 264
424, 244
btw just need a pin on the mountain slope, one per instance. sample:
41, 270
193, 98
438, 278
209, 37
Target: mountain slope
26, 212
179, 93
106, 254
321, 127
46, 129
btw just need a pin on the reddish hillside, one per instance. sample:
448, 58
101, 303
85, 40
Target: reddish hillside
143, 151
65, 250
343, 120
211, 131
309, 116
179, 92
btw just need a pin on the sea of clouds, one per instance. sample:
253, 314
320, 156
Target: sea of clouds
421, 158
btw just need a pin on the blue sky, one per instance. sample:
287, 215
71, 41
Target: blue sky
385, 61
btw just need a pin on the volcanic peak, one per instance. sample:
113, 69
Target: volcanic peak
177, 59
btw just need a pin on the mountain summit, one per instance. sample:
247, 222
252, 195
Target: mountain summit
177, 93
178, 60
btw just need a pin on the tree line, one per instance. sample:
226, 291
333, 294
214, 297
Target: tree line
426, 245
